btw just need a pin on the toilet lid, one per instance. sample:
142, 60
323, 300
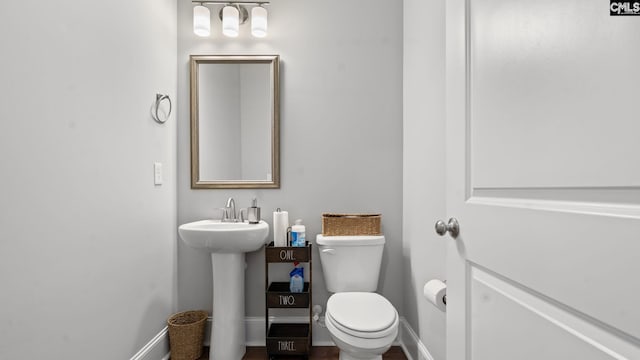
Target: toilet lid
359, 313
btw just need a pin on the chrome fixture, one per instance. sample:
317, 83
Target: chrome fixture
155, 114
232, 14
453, 227
229, 211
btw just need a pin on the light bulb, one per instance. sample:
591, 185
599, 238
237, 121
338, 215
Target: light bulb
201, 21
230, 21
259, 21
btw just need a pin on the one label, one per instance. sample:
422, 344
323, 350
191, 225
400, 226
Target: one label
287, 255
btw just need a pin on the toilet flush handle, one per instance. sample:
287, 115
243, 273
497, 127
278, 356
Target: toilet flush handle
329, 251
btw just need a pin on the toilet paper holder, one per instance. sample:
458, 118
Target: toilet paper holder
435, 291
444, 298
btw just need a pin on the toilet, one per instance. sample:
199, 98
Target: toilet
362, 323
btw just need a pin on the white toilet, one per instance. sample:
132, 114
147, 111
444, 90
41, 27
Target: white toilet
363, 324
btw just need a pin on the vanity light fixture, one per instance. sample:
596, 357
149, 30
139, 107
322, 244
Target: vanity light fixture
232, 14
201, 20
259, 21
231, 20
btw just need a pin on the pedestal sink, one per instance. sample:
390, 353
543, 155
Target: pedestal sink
227, 242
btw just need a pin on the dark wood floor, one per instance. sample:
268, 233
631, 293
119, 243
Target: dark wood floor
317, 353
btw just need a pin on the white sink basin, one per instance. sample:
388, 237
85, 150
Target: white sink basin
227, 242
224, 237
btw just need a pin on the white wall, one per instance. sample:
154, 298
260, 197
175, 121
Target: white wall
341, 137
424, 166
87, 242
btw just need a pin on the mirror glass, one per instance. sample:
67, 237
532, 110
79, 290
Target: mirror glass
235, 121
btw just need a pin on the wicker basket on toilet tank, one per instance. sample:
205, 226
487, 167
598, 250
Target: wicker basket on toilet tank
350, 224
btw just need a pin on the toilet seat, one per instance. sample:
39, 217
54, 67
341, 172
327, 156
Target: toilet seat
362, 314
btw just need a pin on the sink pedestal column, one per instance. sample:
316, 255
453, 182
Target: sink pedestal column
228, 333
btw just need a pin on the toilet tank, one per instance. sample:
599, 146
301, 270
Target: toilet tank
351, 263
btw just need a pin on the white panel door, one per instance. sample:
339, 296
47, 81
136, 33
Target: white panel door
543, 154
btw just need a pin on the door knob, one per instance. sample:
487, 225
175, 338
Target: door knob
453, 227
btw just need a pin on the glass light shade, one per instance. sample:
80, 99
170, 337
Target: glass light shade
259, 21
230, 21
201, 20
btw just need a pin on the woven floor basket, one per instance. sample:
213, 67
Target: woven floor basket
350, 224
186, 333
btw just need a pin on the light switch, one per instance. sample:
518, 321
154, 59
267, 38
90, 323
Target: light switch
157, 173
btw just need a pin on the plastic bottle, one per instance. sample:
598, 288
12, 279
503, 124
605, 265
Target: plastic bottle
298, 234
296, 283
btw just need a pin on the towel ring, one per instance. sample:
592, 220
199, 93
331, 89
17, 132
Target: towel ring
154, 112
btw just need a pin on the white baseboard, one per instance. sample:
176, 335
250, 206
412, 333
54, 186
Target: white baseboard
413, 348
156, 349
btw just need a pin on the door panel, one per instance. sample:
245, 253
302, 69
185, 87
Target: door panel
559, 77
544, 180
570, 257
530, 326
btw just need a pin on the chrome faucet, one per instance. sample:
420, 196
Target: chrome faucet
229, 211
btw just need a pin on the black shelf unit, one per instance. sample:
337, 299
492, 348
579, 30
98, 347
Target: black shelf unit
287, 340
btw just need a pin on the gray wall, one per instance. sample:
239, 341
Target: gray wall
219, 89
87, 242
341, 113
424, 166
255, 90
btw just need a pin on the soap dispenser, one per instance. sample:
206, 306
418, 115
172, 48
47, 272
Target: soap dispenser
253, 213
